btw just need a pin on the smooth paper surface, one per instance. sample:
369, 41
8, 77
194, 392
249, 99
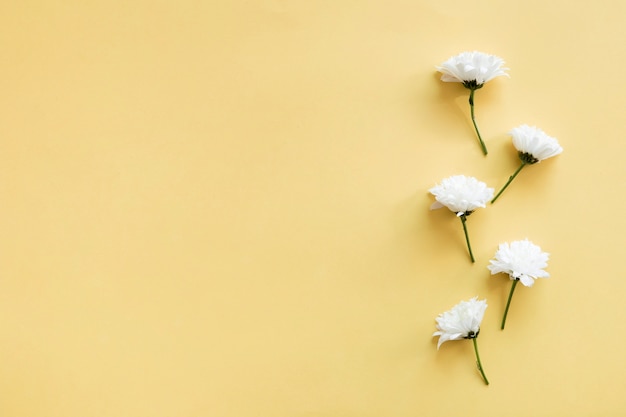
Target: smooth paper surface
221, 208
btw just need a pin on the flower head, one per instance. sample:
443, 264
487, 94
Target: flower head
533, 144
462, 322
461, 194
472, 69
522, 260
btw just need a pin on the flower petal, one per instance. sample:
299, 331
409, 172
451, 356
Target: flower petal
436, 205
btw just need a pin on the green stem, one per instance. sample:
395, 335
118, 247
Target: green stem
471, 103
508, 303
509, 181
478, 363
469, 247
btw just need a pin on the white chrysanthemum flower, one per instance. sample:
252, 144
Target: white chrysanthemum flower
534, 144
461, 194
522, 260
472, 68
463, 322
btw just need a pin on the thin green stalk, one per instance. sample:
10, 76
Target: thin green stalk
508, 303
509, 181
478, 363
469, 247
471, 103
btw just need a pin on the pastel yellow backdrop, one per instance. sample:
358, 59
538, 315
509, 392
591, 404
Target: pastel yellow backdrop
220, 208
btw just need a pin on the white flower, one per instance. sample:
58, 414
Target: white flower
461, 194
534, 144
462, 322
522, 260
473, 69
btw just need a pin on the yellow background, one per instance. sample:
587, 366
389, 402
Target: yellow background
220, 208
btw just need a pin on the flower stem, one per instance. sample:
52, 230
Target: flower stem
508, 303
509, 181
469, 247
478, 363
471, 103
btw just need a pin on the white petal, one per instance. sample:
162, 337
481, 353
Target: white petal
526, 280
436, 205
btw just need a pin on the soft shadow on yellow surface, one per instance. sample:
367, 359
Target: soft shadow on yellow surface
222, 209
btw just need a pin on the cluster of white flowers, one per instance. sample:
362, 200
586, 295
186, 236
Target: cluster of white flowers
521, 260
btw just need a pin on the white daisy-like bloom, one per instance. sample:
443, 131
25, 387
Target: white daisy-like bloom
472, 69
533, 144
461, 194
462, 322
522, 260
